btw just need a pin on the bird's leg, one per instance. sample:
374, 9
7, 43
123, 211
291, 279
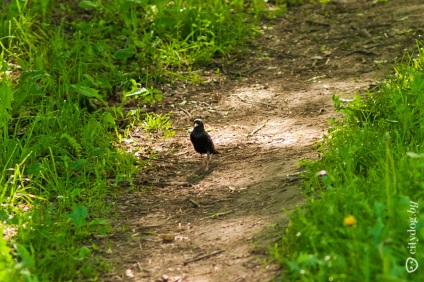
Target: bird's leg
208, 157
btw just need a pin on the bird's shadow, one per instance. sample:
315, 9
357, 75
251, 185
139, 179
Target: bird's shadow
200, 174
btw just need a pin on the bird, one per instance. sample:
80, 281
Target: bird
202, 142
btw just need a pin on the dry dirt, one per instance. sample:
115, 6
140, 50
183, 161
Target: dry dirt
264, 111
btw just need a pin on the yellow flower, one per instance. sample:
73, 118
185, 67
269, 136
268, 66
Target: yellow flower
349, 220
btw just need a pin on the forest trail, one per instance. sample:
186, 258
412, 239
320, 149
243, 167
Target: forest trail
264, 111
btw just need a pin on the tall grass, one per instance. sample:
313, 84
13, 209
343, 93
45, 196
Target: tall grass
364, 218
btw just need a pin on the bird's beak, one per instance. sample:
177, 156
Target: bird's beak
196, 124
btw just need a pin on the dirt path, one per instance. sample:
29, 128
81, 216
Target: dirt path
265, 111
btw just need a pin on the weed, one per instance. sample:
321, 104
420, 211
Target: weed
158, 123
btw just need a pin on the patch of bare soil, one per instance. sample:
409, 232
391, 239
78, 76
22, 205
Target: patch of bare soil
264, 111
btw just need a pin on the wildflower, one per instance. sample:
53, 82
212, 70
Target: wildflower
322, 173
327, 258
349, 220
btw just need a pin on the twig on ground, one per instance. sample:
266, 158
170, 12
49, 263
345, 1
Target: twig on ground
241, 99
194, 203
389, 43
184, 111
365, 52
240, 74
360, 51
218, 214
204, 257
318, 23
257, 129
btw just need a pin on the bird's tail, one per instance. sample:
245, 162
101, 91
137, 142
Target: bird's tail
215, 152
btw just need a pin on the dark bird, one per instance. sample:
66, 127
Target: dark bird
201, 140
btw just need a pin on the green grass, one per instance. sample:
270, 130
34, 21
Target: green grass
68, 69
366, 192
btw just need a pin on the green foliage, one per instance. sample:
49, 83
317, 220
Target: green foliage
5, 103
8, 267
146, 96
61, 158
144, 40
365, 210
78, 215
158, 123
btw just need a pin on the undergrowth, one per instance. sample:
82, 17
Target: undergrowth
363, 220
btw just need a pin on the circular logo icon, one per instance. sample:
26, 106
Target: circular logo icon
411, 265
